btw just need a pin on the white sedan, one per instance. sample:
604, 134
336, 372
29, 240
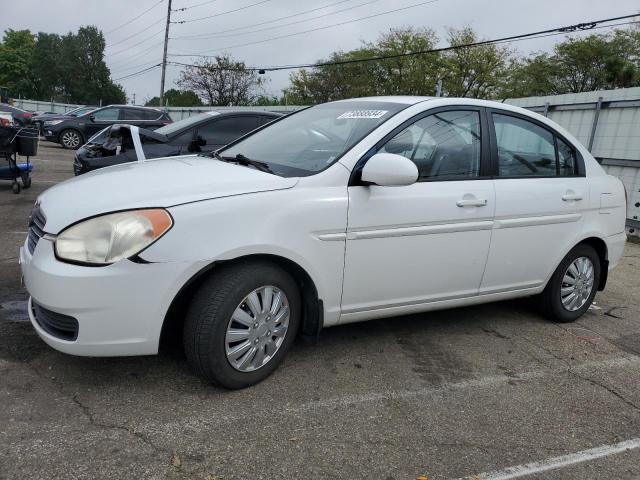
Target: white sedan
346, 211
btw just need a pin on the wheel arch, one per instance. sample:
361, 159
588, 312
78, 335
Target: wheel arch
313, 309
600, 246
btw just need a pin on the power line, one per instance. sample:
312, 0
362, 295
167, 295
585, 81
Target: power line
139, 72
304, 31
223, 13
293, 23
202, 35
585, 26
135, 18
137, 33
193, 6
128, 49
127, 61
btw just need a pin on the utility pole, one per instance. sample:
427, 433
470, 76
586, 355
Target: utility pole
134, 98
164, 55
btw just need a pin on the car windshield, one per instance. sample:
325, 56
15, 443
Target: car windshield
184, 123
309, 141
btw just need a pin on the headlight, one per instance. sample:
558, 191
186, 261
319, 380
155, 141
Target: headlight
108, 238
53, 122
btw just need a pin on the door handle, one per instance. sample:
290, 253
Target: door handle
472, 202
571, 196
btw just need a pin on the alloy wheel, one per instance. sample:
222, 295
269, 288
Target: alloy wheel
577, 284
71, 139
257, 328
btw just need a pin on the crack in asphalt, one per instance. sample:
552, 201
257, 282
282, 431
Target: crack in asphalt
570, 369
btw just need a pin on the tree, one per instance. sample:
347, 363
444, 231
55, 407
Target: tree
596, 62
177, 98
407, 75
87, 78
45, 66
223, 81
466, 72
16, 51
477, 72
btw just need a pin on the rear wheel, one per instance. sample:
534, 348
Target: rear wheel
573, 285
71, 139
241, 323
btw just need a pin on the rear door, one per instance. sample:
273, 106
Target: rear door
221, 131
541, 196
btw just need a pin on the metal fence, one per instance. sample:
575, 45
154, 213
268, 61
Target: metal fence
608, 123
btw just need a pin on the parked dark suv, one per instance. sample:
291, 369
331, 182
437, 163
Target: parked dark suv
72, 132
204, 132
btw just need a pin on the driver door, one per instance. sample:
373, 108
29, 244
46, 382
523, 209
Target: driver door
411, 245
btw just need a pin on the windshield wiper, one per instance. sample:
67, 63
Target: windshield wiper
242, 160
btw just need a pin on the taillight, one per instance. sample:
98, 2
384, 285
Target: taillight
27, 115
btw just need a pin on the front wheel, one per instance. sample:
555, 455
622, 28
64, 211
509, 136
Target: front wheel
71, 139
241, 323
573, 285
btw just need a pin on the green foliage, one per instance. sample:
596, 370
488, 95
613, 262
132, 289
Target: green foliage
16, 51
596, 62
176, 98
68, 68
465, 72
486, 71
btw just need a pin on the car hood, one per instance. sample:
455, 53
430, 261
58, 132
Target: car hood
163, 182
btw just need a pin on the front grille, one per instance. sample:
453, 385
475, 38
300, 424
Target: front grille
36, 228
56, 324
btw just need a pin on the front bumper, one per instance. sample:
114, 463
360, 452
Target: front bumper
119, 308
50, 136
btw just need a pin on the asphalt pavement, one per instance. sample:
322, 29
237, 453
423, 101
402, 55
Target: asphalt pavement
445, 395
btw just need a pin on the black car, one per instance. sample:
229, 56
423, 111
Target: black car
206, 131
38, 119
73, 132
20, 117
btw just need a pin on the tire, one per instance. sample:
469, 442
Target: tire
71, 139
552, 296
210, 316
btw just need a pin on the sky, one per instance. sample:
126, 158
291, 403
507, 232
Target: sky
134, 44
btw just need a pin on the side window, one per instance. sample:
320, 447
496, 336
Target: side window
132, 114
443, 145
183, 139
264, 120
150, 115
107, 114
226, 130
566, 159
524, 148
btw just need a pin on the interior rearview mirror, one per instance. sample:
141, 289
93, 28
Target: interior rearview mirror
389, 170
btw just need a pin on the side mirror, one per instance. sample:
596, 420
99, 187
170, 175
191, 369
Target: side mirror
200, 141
92, 118
389, 170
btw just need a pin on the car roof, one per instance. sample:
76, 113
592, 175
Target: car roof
134, 106
406, 99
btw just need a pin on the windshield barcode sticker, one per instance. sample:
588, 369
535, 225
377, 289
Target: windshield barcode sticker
364, 114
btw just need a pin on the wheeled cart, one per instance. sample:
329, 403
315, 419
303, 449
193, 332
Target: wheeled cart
16, 141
